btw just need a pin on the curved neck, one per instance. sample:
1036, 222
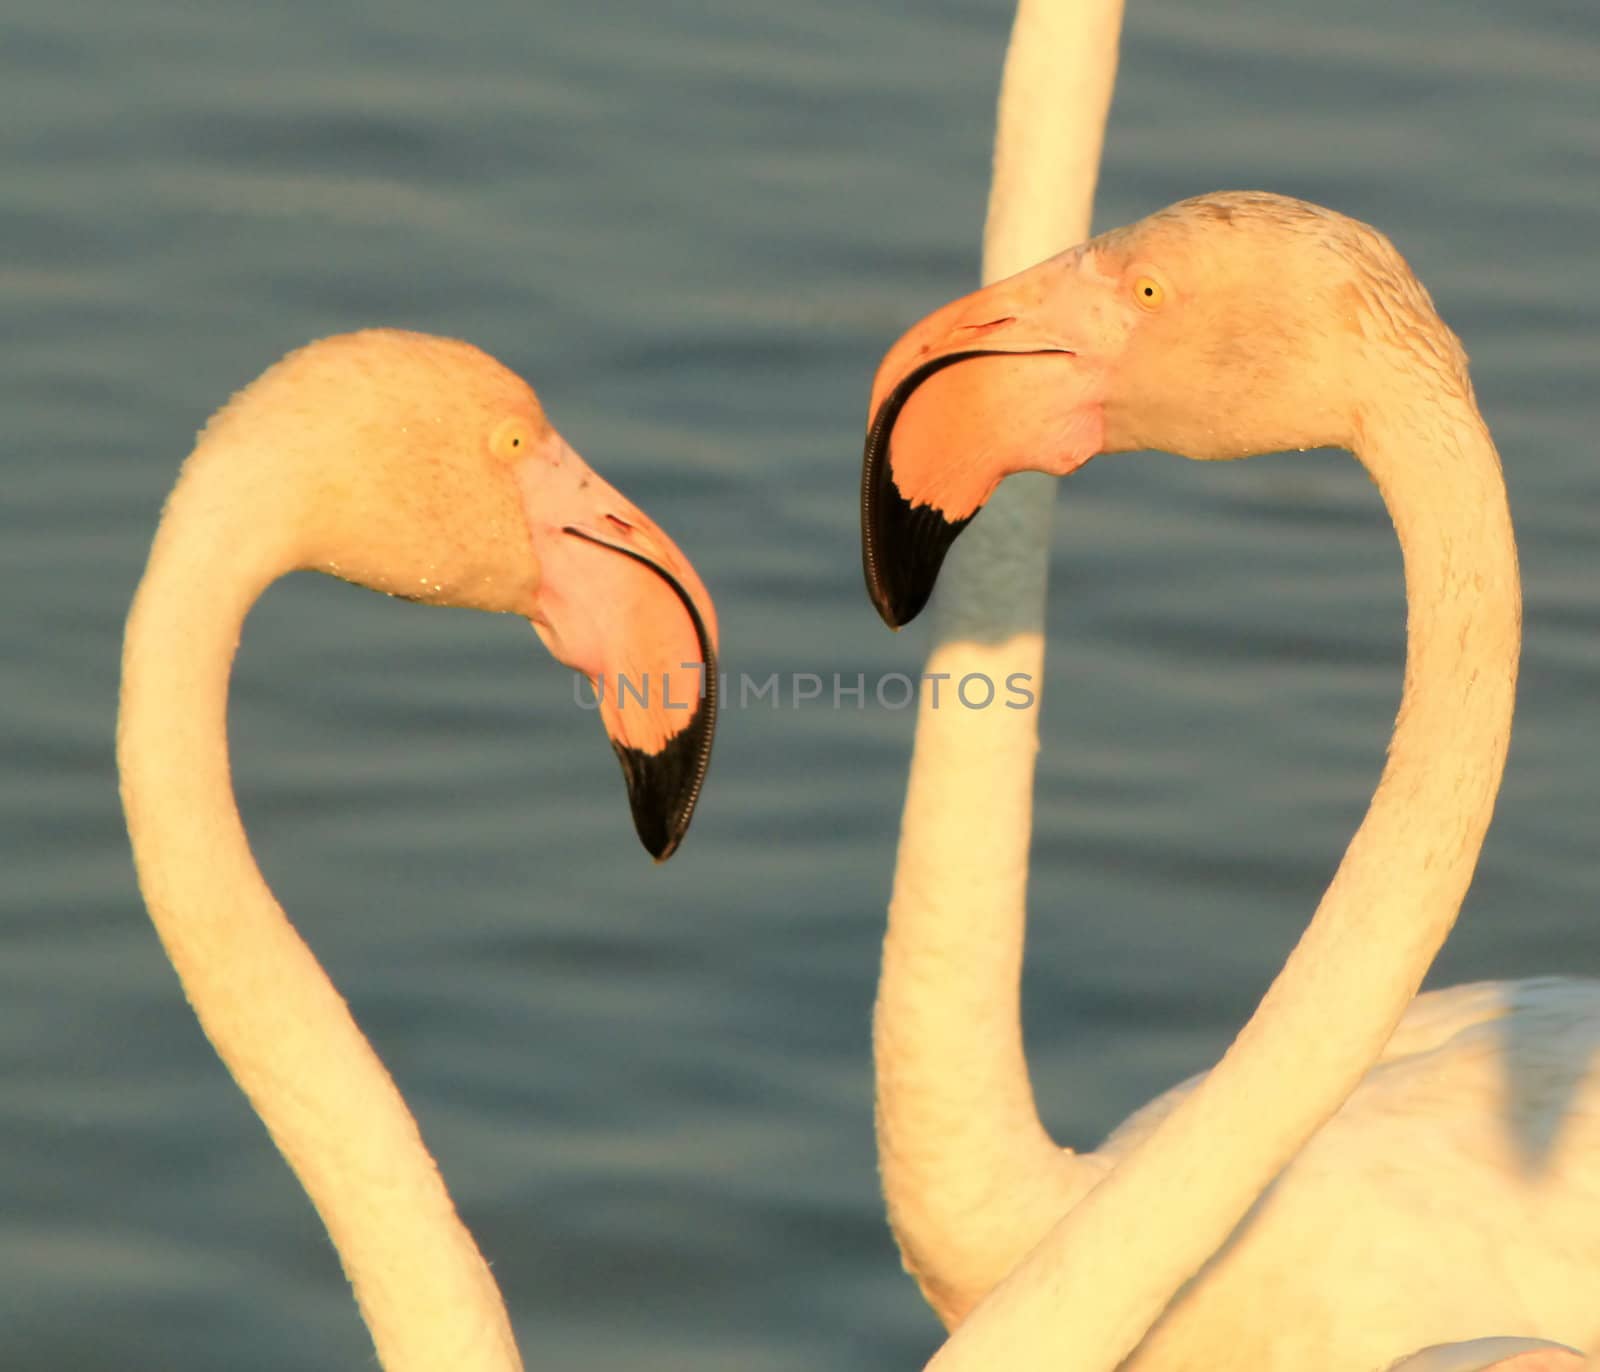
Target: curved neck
1085, 1298
264, 1002
971, 1177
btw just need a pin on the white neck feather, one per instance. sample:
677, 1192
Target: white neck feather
264, 1002
970, 1175
1103, 1276
1055, 98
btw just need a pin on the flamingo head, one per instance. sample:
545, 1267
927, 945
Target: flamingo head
421, 467
1221, 327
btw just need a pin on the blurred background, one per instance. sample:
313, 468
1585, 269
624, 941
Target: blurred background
695, 229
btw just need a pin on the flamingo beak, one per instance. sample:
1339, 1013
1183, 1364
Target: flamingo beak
620, 603
981, 388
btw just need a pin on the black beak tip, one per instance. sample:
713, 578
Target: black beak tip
902, 546
896, 606
659, 816
664, 786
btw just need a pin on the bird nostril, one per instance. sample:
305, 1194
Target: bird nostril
620, 523
988, 327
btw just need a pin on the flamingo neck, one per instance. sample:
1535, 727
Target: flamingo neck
263, 1000
1105, 1274
971, 1177
1055, 98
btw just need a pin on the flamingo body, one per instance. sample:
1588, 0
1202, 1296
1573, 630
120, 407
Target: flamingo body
1454, 1195
1494, 1355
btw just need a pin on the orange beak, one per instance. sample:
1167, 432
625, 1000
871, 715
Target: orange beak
986, 386
620, 603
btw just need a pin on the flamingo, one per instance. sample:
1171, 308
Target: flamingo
1439, 1155
421, 467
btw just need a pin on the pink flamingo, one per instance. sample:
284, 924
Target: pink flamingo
1408, 1210
420, 467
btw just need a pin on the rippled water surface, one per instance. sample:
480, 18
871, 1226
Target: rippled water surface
695, 228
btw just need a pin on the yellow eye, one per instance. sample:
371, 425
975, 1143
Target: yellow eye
511, 439
1149, 293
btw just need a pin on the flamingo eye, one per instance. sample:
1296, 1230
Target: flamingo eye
1149, 293
511, 439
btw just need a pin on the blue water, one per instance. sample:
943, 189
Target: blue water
695, 229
